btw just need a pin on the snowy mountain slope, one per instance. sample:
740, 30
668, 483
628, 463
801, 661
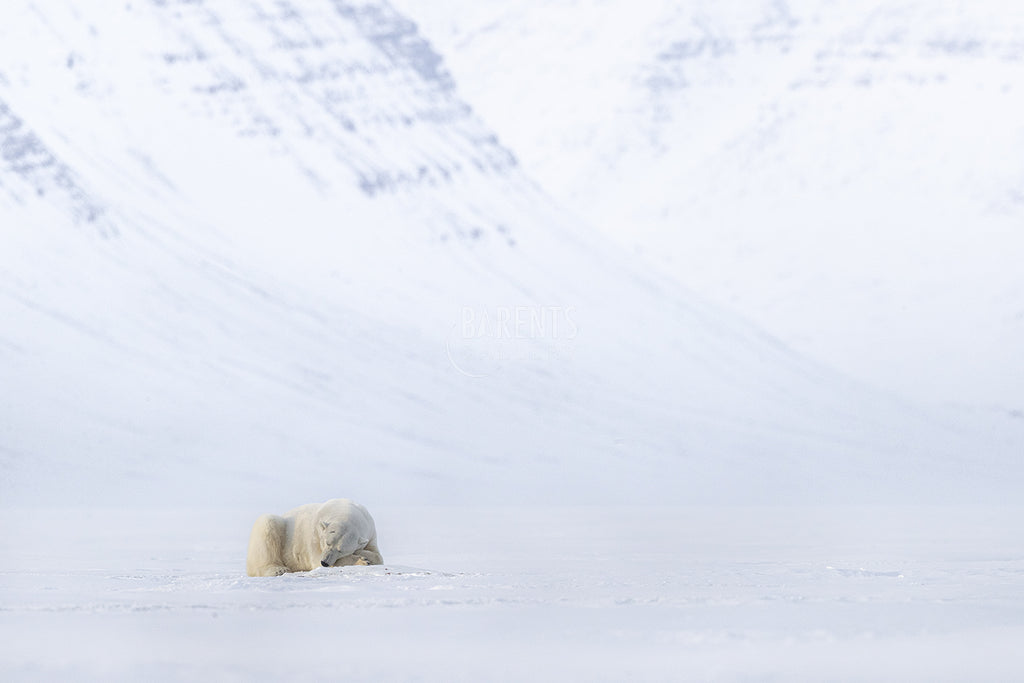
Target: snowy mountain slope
847, 174
258, 252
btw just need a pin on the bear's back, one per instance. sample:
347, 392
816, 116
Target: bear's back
307, 510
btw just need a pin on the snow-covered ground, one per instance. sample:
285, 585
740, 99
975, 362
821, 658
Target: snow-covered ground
549, 594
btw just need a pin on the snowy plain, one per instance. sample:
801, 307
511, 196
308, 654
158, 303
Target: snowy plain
562, 593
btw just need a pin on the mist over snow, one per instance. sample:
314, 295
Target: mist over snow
663, 340
846, 174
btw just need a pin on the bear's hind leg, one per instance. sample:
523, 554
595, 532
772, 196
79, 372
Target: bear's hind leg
266, 547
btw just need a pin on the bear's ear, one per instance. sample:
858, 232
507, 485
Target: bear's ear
363, 541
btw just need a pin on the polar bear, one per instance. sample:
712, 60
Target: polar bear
337, 533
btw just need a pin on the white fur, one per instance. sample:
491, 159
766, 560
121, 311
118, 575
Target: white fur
337, 533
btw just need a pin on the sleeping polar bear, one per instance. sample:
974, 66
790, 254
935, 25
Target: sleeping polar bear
337, 533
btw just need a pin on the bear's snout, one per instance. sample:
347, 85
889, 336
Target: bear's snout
323, 563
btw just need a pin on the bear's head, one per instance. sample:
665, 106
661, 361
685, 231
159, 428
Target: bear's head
336, 542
